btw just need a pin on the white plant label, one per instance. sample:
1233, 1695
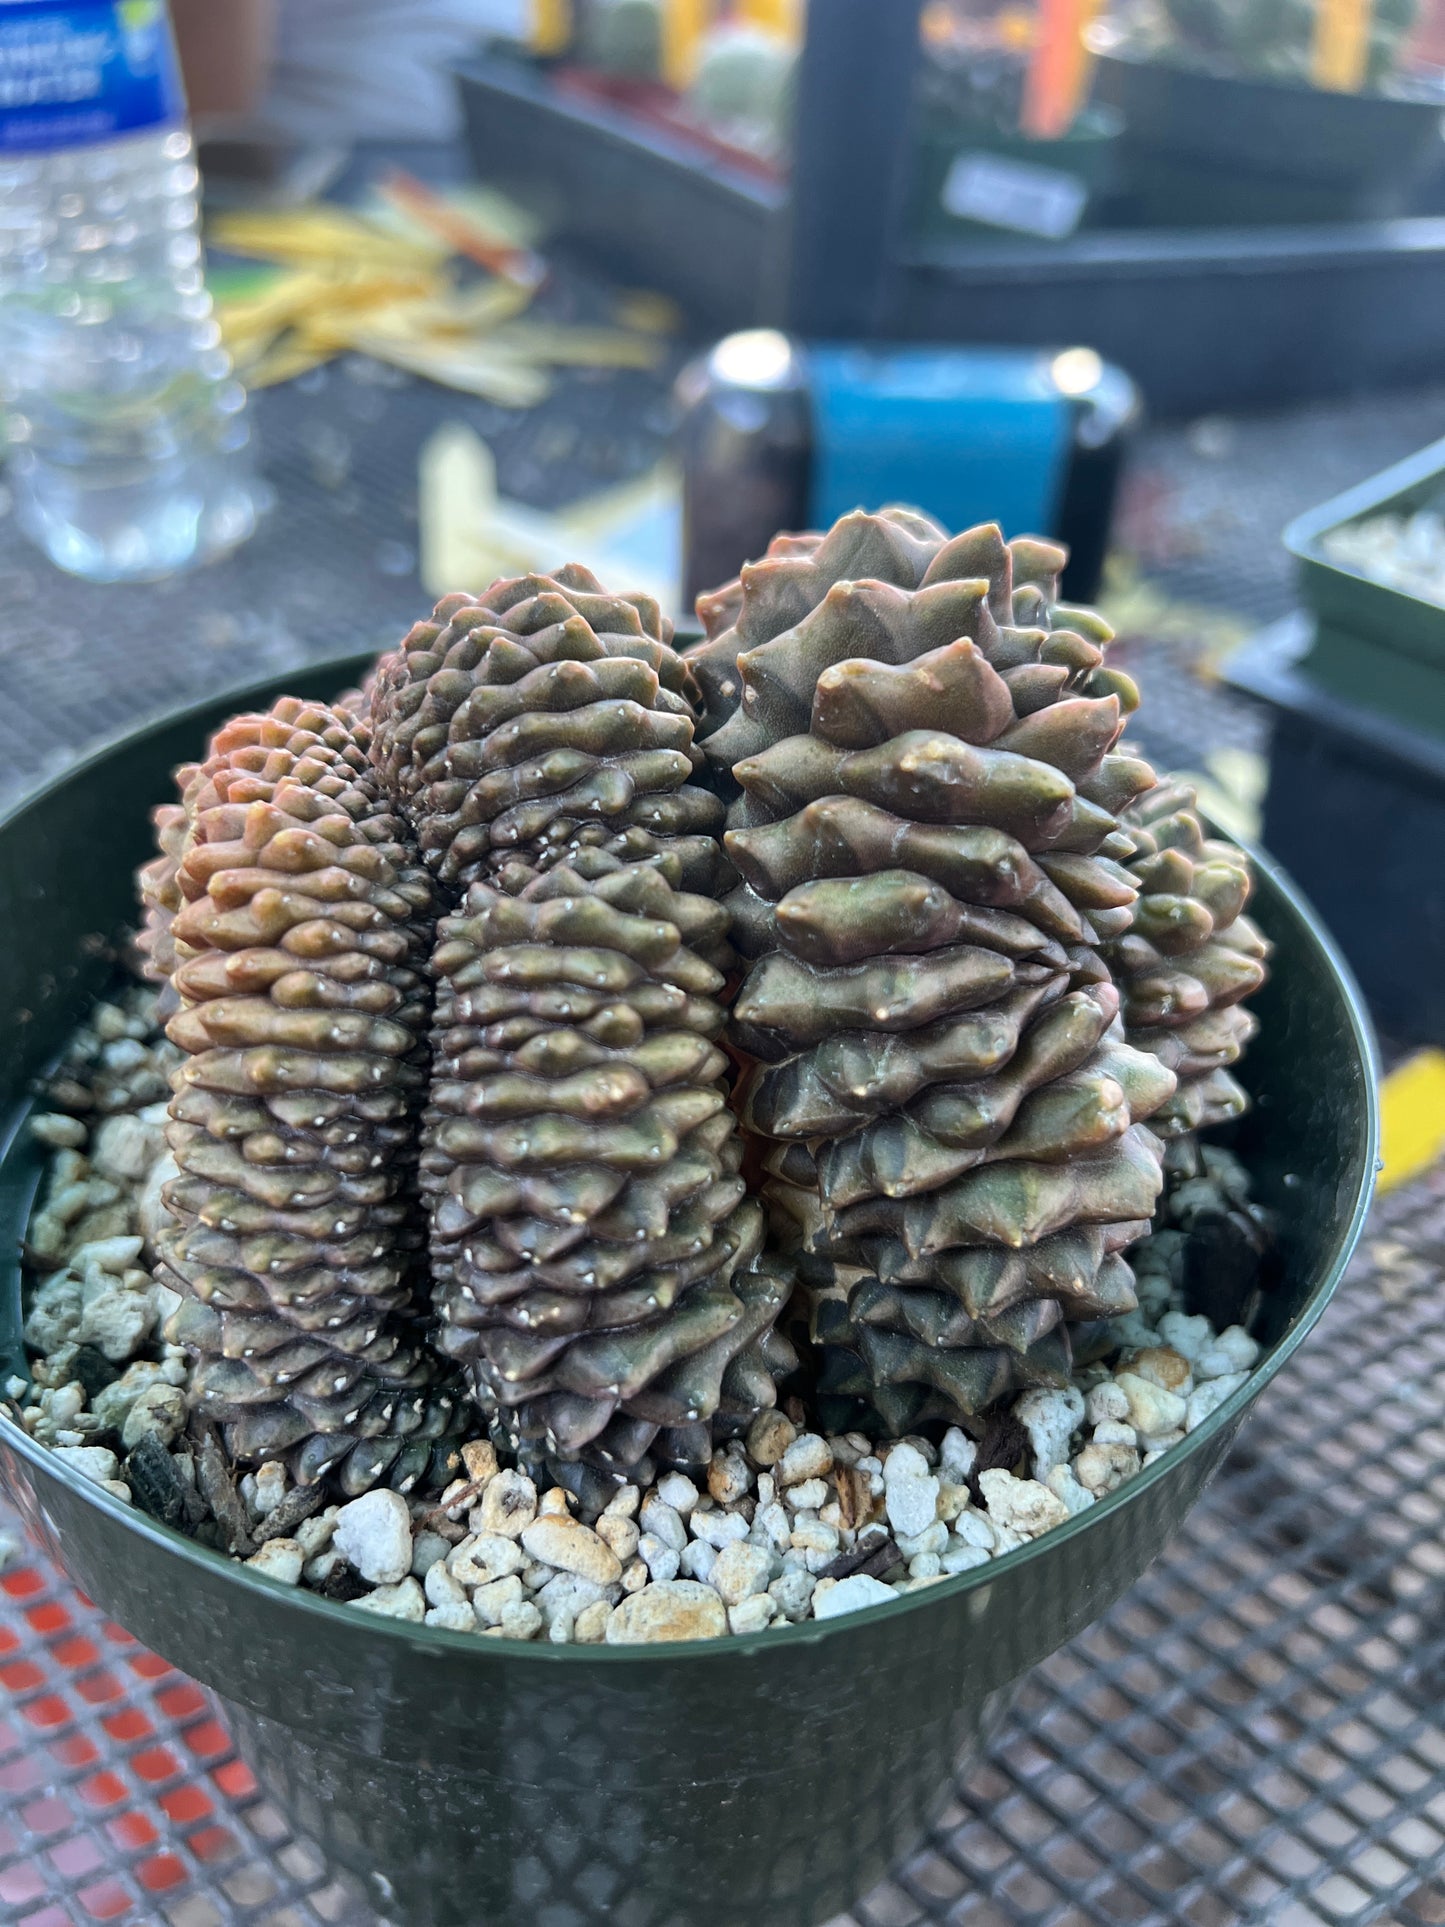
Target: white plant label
1014, 194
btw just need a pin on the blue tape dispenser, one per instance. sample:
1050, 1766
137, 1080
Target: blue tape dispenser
778, 434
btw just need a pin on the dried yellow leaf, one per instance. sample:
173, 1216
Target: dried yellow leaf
323, 236
568, 346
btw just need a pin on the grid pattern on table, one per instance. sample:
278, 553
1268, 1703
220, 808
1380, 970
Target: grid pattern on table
1255, 1734
121, 1797
1205, 502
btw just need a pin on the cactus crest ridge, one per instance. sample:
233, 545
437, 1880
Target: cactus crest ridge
566, 1018
297, 950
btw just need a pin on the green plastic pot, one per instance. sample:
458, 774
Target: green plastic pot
487, 1783
1373, 644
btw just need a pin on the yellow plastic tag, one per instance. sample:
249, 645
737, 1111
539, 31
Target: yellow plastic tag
1341, 45
1412, 1107
551, 27
684, 22
782, 17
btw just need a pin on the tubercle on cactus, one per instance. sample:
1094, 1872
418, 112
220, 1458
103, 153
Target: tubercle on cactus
293, 925
928, 793
1189, 958
606, 1031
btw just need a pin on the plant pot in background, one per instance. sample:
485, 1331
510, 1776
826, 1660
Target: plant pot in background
706, 1785
1204, 149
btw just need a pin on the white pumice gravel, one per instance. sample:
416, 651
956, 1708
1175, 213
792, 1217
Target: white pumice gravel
1402, 551
675, 1609
678, 1491
403, 1601
784, 1525
661, 1561
660, 1522
279, 1559
569, 1546
1051, 1419
519, 1621
832, 1597
90, 1461
697, 1560
373, 1533
912, 1503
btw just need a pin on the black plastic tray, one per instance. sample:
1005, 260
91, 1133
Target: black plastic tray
1204, 319
1356, 810
1202, 148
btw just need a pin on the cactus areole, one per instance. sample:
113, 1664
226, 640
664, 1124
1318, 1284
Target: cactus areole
627, 1040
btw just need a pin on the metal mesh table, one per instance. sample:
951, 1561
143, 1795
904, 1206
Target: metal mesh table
1255, 1734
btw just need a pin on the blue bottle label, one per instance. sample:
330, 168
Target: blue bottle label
76, 74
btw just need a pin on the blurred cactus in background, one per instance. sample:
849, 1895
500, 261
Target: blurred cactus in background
744, 87
623, 37
1273, 39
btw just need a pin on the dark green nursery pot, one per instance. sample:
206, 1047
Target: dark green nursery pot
485, 1783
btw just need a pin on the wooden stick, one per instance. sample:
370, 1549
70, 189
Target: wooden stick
1053, 85
466, 236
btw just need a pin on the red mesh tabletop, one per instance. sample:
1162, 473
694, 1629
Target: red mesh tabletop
121, 1797
1255, 1734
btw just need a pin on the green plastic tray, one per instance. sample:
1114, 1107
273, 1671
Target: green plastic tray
1374, 645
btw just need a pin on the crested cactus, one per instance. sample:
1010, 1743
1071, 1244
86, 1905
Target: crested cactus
296, 923
1189, 957
594, 1254
459, 962
157, 880
928, 837
542, 714
794, 577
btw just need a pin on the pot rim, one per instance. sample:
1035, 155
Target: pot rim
440, 1642
1304, 534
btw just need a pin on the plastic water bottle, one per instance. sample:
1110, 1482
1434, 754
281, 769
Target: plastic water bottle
126, 429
